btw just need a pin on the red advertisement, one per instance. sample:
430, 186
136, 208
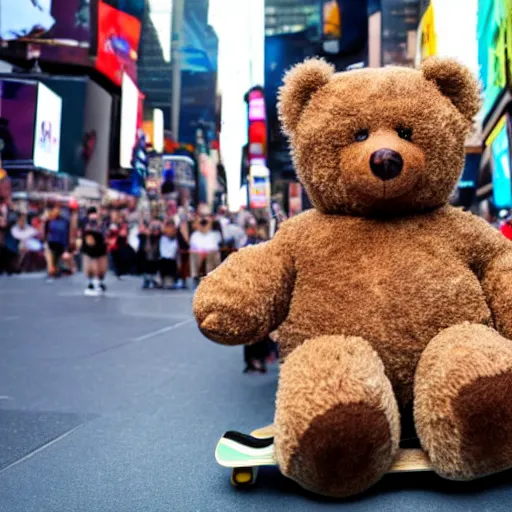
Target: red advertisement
118, 43
257, 127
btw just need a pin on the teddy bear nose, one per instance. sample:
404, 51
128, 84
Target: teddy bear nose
386, 164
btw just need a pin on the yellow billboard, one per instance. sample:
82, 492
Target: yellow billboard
428, 38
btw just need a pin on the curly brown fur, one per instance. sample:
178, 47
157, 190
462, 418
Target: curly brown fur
337, 422
334, 167
463, 402
384, 261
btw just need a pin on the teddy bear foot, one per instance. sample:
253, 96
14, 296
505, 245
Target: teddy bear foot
337, 420
463, 402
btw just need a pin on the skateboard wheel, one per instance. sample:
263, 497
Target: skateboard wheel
243, 477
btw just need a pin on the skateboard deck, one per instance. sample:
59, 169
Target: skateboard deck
244, 454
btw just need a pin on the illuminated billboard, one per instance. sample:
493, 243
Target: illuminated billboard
118, 43
47, 129
60, 29
129, 113
501, 180
257, 127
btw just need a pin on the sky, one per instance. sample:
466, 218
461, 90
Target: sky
239, 24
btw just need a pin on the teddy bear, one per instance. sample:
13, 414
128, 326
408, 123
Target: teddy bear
383, 295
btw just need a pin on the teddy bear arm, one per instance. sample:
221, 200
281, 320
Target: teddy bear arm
490, 257
497, 285
248, 296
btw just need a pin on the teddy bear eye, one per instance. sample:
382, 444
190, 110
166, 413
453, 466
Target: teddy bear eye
404, 133
361, 135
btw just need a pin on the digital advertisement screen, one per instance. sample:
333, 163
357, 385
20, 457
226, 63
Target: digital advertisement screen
257, 106
491, 51
47, 132
129, 112
18, 101
178, 177
64, 23
72, 91
118, 43
501, 183
257, 127
258, 192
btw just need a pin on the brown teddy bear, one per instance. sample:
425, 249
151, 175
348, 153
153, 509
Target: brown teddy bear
383, 294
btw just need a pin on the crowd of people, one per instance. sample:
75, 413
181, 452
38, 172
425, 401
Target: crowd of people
169, 251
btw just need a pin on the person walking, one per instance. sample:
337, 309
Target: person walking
204, 249
94, 250
150, 244
56, 237
169, 255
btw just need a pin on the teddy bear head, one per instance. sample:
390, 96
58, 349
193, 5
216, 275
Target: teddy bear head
378, 141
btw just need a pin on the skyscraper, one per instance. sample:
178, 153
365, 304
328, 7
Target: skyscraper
400, 19
155, 58
289, 16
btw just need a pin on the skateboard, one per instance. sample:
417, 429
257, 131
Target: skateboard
244, 454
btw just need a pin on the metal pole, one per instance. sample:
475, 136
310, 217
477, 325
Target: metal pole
177, 29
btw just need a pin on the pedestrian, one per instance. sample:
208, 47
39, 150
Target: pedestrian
204, 249
94, 250
183, 236
56, 237
26, 238
150, 244
169, 255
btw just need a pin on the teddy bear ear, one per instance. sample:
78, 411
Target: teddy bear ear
456, 82
300, 83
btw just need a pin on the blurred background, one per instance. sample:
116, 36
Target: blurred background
144, 135
129, 85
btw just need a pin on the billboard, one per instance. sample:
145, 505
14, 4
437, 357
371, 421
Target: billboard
96, 149
257, 127
178, 178
501, 180
18, 101
259, 187
72, 91
491, 35
47, 131
62, 27
129, 114
118, 43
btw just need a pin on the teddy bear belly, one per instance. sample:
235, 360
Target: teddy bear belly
397, 315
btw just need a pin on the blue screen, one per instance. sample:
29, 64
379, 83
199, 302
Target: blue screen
501, 174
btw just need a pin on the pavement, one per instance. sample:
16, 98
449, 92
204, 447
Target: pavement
116, 404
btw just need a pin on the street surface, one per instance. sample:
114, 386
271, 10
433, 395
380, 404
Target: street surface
116, 404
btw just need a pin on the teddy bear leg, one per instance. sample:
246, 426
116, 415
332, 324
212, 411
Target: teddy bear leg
337, 420
463, 402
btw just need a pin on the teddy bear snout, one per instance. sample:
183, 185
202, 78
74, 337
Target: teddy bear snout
386, 164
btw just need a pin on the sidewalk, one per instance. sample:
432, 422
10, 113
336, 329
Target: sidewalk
116, 405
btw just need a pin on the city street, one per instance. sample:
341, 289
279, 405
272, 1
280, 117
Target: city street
116, 404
